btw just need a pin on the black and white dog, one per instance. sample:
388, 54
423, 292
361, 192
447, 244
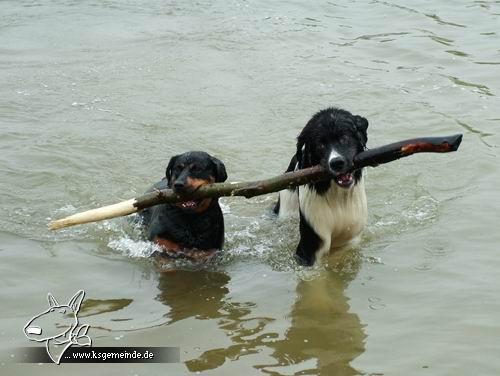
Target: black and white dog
332, 212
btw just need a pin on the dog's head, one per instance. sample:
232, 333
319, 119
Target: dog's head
332, 138
188, 171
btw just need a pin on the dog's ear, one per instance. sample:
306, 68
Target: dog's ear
168, 171
220, 170
307, 133
361, 127
299, 154
303, 155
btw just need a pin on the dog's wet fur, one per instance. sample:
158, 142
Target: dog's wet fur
331, 212
192, 229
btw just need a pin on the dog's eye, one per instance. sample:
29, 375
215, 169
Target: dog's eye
344, 140
195, 168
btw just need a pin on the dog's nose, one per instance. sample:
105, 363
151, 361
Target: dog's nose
338, 164
178, 185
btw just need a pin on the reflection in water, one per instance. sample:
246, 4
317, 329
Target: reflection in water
197, 293
92, 307
323, 337
202, 294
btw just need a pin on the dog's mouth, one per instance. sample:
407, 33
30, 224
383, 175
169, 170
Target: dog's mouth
189, 205
344, 180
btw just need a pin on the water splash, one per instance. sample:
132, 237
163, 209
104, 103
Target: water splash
133, 248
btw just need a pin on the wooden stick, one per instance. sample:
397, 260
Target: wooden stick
105, 212
372, 157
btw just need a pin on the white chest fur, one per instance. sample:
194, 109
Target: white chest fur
337, 216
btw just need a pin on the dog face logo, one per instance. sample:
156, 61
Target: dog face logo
58, 327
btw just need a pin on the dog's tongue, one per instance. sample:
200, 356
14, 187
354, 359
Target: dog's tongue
188, 204
344, 179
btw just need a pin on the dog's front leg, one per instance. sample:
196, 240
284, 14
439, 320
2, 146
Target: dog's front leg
311, 245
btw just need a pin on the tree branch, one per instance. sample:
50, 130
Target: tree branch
372, 157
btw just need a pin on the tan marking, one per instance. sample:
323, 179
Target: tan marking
167, 244
203, 205
170, 247
425, 147
196, 183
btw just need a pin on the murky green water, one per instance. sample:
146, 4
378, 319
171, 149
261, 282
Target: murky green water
95, 97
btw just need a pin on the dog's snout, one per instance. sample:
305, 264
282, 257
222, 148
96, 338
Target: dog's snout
179, 185
338, 164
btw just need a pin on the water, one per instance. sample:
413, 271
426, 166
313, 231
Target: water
97, 95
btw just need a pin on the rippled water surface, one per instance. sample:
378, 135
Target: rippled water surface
97, 95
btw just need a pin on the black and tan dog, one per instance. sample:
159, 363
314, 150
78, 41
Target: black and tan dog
191, 229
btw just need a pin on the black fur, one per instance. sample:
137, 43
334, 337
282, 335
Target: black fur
187, 228
309, 241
